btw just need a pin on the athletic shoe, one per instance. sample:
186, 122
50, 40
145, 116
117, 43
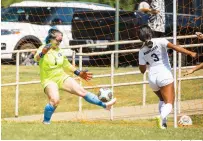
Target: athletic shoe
159, 122
110, 103
164, 125
46, 122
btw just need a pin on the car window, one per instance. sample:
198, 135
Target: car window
36, 15
40, 15
61, 15
186, 6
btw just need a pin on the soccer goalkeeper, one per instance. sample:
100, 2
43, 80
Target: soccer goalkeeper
52, 63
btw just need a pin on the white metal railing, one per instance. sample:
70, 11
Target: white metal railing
111, 75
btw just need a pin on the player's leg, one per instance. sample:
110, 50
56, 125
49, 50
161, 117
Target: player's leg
160, 106
156, 89
165, 82
167, 93
70, 85
51, 90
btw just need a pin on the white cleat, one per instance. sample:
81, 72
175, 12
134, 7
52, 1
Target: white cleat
110, 103
46, 122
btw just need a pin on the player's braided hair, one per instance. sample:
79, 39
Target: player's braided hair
145, 34
51, 34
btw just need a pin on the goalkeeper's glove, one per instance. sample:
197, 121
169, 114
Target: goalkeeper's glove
83, 74
46, 48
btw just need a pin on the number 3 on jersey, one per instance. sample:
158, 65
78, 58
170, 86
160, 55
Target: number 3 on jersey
155, 57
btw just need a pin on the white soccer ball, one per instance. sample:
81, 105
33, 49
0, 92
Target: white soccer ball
185, 120
105, 94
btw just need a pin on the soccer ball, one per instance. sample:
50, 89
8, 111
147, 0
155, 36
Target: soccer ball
185, 121
105, 94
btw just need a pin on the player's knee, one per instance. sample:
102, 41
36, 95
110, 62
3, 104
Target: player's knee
82, 92
54, 101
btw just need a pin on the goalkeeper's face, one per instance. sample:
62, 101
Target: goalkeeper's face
58, 39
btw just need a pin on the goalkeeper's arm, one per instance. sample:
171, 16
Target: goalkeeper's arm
83, 74
41, 52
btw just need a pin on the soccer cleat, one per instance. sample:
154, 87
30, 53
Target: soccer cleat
110, 103
46, 122
159, 122
164, 125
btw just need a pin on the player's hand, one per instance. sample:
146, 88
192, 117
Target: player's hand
199, 35
189, 72
46, 48
85, 75
154, 11
194, 54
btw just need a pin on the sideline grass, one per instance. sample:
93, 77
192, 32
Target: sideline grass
32, 99
97, 130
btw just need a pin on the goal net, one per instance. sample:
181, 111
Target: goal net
84, 24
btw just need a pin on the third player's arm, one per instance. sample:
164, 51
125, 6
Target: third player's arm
181, 50
142, 68
198, 67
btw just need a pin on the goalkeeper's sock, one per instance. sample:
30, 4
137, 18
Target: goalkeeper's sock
165, 110
48, 111
93, 99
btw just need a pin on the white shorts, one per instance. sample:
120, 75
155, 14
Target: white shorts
158, 80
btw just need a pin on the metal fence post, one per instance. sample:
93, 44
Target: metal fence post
144, 89
179, 81
175, 59
80, 67
112, 82
17, 85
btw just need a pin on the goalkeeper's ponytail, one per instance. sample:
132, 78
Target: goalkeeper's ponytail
145, 34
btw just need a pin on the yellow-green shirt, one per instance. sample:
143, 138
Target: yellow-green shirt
52, 65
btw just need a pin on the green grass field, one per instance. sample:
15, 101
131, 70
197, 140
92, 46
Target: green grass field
32, 101
97, 130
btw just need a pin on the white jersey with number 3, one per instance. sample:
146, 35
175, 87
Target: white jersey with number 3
157, 56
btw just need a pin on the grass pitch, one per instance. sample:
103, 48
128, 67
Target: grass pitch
32, 101
99, 130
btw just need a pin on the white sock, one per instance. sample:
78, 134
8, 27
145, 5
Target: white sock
161, 105
166, 110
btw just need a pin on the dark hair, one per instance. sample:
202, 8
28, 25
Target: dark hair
145, 34
51, 34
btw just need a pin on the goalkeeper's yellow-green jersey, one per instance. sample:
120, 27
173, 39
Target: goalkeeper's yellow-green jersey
52, 65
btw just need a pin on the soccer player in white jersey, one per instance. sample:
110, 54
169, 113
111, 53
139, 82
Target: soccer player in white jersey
154, 53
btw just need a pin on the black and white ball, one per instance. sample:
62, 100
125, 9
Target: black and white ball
185, 120
105, 94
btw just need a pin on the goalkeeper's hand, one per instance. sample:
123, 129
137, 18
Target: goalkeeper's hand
85, 75
46, 48
199, 35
